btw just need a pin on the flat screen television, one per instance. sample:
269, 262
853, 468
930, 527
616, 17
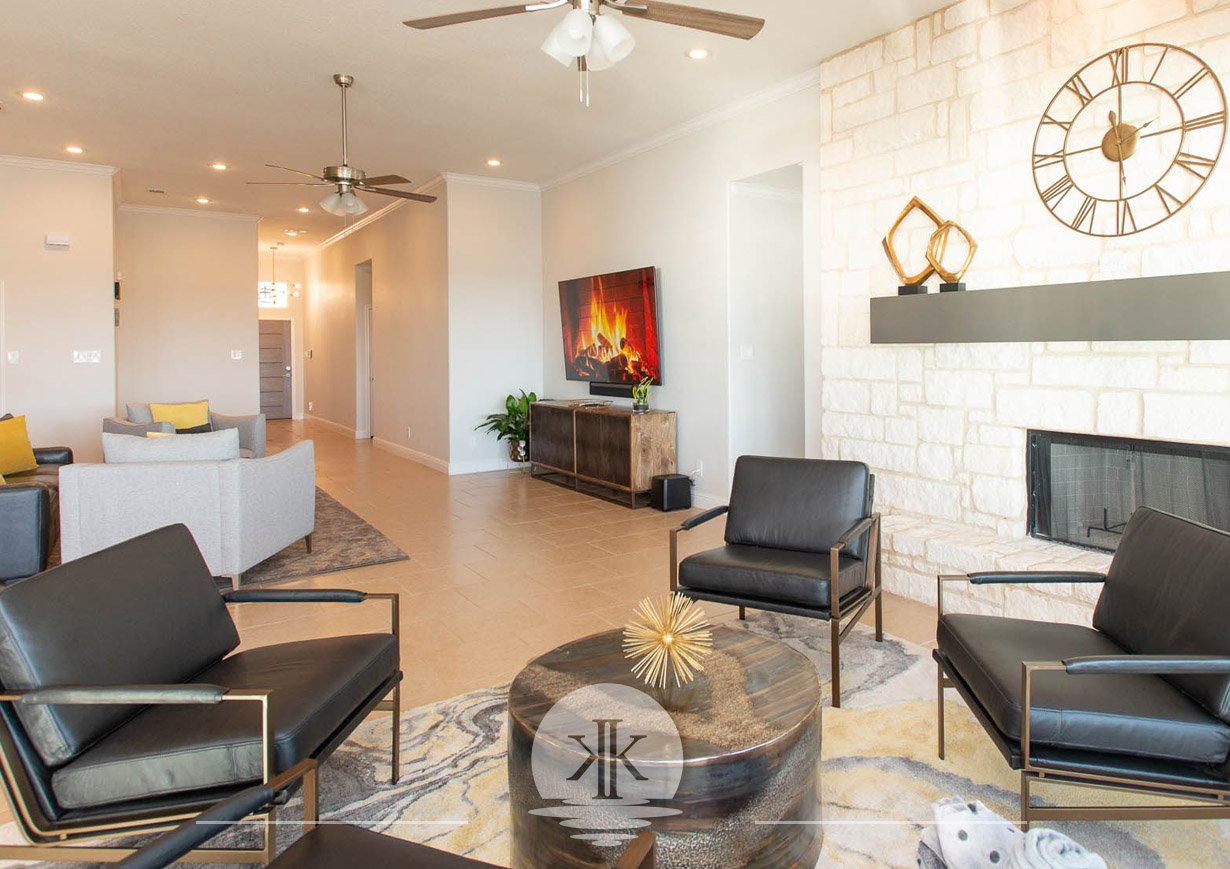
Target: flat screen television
610, 325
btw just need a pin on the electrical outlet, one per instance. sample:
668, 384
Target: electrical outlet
699, 471
311, 405
409, 433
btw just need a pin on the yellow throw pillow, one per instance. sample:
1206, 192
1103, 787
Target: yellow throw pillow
16, 454
160, 434
183, 416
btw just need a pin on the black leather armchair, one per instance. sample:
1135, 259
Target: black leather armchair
30, 515
801, 538
124, 705
1140, 701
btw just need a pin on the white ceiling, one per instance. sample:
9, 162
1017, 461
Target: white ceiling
162, 89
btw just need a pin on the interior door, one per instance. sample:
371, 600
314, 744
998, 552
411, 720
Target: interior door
276, 372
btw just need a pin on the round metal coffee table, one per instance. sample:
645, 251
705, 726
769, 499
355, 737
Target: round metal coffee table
748, 770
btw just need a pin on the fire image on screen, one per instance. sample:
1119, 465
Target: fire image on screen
611, 327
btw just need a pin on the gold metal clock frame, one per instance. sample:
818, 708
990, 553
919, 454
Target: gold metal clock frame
1122, 139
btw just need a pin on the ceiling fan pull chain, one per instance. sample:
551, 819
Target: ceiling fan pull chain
583, 69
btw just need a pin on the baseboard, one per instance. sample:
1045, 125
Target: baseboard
706, 501
433, 462
482, 466
328, 423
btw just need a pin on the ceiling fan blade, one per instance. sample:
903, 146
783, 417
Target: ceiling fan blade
293, 183
377, 180
464, 17
400, 194
724, 23
296, 171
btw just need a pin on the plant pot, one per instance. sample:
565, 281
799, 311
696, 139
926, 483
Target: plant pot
640, 407
517, 451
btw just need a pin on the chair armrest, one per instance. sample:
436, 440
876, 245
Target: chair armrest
251, 430
304, 595
858, 529
1160, 665
53, 455
115, 425
702, 518
120, 695
1015, 577
170, 846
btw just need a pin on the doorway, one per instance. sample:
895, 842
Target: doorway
364, 422
767, 395
276, 371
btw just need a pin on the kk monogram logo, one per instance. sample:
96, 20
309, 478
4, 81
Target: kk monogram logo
606, 759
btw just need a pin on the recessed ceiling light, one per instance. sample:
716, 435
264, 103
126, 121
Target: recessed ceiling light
32, 96
294, 232
202, 200
495, 163
74, 149
221, 167
697, 53
303, 209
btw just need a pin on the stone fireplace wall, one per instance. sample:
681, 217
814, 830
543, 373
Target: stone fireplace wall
946, 109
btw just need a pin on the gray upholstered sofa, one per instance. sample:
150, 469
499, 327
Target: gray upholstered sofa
240, 511
139, 421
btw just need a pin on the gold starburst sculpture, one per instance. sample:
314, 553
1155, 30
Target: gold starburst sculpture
669, 639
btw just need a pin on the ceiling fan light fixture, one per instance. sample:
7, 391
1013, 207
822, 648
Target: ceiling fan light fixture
575, 33
615, 40
555, 51
343, 204
598, 60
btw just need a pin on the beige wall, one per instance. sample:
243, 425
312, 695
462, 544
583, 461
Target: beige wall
408, 251
494, 311
188, 299
56, 301
667, 207
291, 270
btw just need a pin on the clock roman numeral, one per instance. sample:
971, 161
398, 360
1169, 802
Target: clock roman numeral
1204, 121
1118, 66
1041, 161
1065, 125
1160, 61
1124, 216
1201, 167
1076, 85
1086, 214
1054, 194
1170, 202
1191, 83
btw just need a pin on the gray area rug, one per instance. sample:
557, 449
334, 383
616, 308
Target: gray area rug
341, 541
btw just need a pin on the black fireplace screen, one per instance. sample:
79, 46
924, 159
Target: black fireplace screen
1083, 488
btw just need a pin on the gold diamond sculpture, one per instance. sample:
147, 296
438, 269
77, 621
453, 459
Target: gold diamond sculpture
670, 639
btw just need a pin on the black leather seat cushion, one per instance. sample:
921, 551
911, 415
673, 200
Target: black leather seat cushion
783, 575
1167, 593
1127, 714
330, 846
170, 749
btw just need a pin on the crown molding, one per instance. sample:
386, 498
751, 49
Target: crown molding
764, 191
57, 165
768, 96
427, 187
484, 181
168, 211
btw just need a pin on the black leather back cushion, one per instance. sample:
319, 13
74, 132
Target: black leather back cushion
143, 611
799, 504
1168, 593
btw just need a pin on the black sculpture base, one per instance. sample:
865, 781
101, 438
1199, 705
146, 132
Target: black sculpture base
952, 288
911, 289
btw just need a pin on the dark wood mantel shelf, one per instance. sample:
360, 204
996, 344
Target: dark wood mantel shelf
1171, 308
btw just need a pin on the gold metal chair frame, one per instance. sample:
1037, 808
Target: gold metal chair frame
872, 592
1204, 803
57, 844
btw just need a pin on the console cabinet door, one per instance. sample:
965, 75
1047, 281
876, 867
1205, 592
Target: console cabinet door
551, 436
604, 448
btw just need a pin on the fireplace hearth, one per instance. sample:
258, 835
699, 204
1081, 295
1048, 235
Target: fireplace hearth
1083, 488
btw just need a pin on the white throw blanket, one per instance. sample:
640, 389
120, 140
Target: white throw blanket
971, 836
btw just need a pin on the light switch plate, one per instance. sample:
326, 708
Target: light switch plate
236, 355
14, 356
87, 357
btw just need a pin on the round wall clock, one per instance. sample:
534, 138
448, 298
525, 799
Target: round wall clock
1129, 139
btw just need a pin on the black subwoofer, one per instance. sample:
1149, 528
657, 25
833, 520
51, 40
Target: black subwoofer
671, 492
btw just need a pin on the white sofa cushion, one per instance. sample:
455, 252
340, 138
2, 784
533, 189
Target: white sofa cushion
214, 446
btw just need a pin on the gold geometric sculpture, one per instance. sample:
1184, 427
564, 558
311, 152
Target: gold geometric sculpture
916, 204
938, 246
671, 638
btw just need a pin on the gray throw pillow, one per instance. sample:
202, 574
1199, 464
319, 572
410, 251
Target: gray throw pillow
139, 413
214, 446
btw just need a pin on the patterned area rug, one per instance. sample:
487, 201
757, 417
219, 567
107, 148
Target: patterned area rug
341, 541
879, 774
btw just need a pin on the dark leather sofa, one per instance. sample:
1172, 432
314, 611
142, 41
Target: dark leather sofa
1140, 701
30, 514
801, 538
125, 705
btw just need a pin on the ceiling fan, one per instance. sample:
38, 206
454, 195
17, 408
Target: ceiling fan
598, 41
346, 178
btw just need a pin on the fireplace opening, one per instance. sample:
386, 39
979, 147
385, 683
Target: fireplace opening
1083, 488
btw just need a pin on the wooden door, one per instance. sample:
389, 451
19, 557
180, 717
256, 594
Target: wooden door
276, 371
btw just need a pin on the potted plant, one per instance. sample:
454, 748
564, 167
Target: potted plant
640, 395
512, 425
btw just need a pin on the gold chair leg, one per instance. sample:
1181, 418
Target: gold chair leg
396, 752
743, 613
235, 580
835, 656
939, 704
1024, 802
307, 541
879, 617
